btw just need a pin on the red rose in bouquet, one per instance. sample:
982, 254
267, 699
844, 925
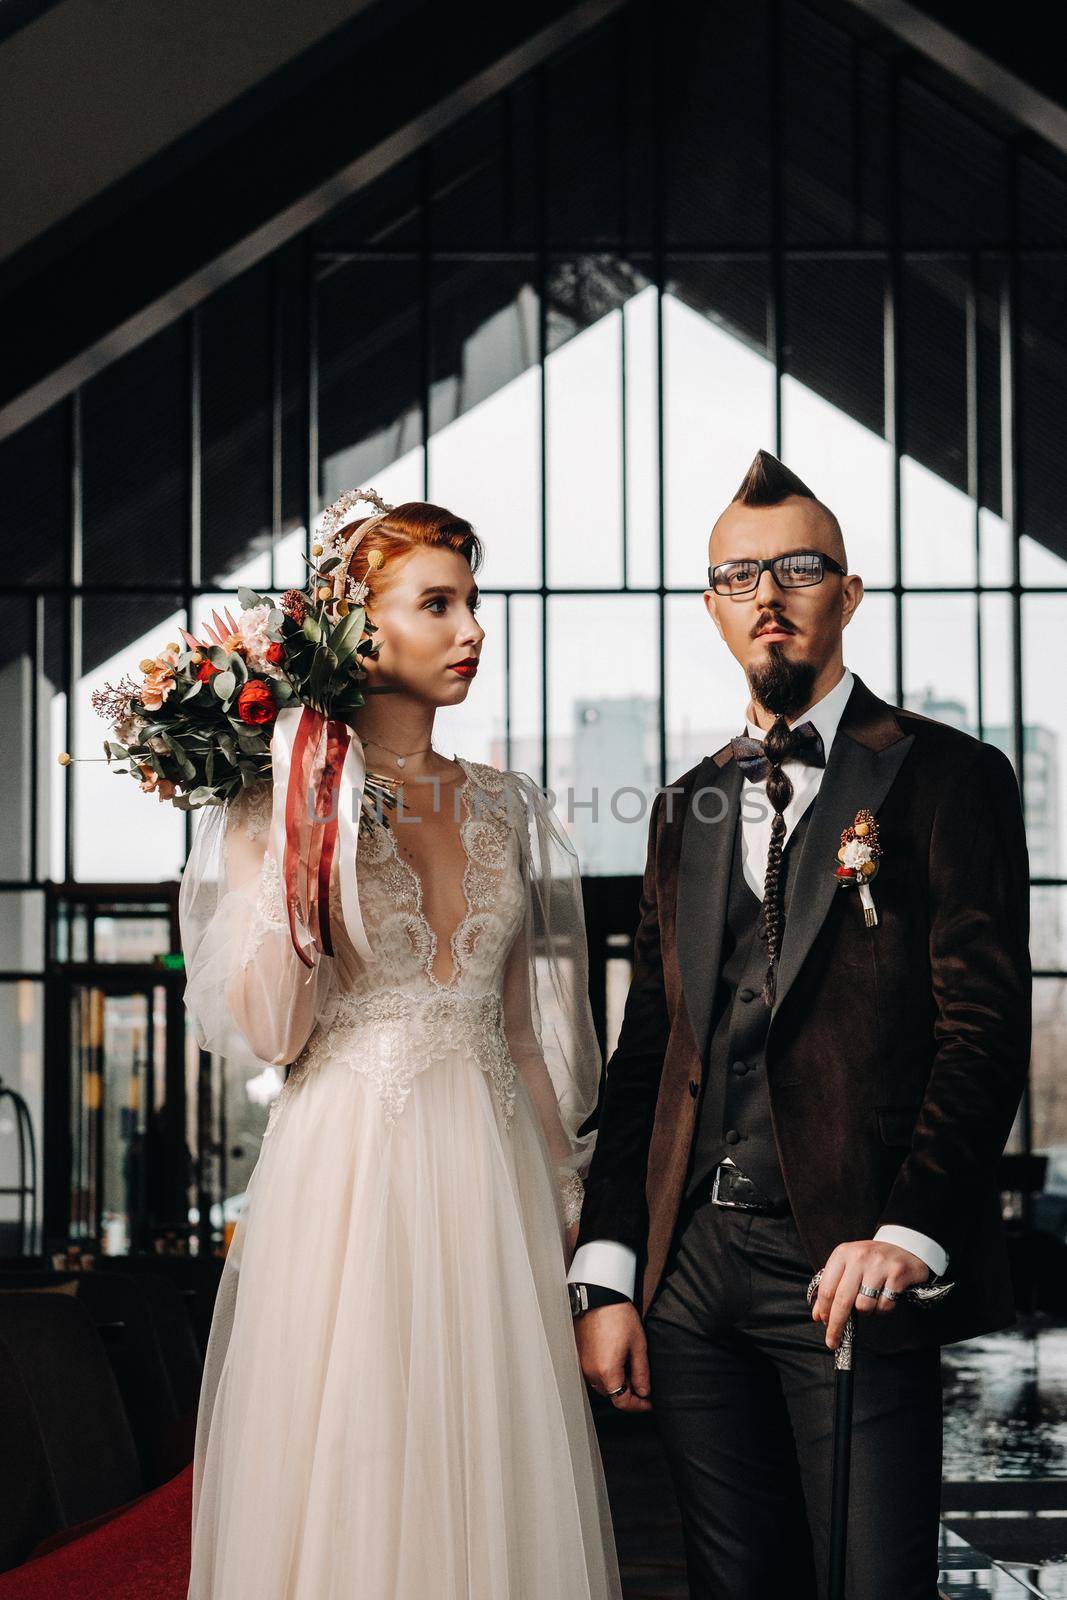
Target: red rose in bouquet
255, 703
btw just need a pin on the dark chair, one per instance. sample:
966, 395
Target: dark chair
69, 1453
125, 1309
195, 1277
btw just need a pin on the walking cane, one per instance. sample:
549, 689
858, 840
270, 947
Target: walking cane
841, 1461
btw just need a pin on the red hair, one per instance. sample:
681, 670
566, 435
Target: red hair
415, 524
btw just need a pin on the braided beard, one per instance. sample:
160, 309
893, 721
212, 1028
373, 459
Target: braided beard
781, 684
784, 687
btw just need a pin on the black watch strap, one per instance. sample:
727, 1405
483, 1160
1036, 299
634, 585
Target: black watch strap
589, 1296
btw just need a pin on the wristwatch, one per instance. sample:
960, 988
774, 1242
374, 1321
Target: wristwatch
589, 1296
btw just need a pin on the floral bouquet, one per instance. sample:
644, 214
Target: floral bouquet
270, 694
198, 727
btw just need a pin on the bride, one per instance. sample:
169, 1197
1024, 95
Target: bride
392, 1405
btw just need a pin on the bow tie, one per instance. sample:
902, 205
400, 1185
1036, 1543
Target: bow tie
805, 745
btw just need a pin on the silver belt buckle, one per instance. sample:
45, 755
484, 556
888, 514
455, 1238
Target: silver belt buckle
732, 1205
715, 1191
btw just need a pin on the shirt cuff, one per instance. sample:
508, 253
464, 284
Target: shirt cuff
607, 1263
927, 1249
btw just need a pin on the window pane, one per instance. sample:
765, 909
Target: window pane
718, 402
995, 543
1042, 388
370, 384
1048, 1085
237, 503
583, 400
640, 413
954, 173
52, 737
1048, 927
135, 478
22, 1020
706, 688
718, 124
485, 413
870, 645
937, 513
603, 724
833, 411
16, 718
818, 129
120, 833
21, 930
35, 500
998, 672
938, 527
586, 96
524, 685
1044, 623
476, 727
1040, 567
940, 658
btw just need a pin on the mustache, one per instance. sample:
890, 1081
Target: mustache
765, 623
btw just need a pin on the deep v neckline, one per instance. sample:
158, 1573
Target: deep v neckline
416, 878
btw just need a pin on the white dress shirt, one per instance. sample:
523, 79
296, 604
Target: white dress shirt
613, 1265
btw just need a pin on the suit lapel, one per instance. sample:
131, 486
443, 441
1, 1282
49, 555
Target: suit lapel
704, 885
855, 777
865, 757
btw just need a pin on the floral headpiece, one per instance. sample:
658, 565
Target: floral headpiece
336, 550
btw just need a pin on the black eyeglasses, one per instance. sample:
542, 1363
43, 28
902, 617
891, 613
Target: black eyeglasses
795, 570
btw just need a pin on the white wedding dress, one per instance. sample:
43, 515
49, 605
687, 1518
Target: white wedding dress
392, 1406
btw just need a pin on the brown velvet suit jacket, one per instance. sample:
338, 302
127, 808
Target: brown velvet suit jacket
896, 1055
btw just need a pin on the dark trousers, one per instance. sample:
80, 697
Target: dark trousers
743, 1394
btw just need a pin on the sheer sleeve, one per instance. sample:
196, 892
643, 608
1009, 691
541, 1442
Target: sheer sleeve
547, 1017
246, 989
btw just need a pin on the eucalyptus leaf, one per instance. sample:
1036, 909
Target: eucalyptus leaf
223, 684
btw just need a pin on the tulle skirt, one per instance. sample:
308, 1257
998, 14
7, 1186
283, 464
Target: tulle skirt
392, 1407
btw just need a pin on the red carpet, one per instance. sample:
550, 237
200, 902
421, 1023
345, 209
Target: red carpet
143, 1551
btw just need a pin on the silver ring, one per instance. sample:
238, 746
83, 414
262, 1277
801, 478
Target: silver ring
892, 1294
872, 1294
613, 1393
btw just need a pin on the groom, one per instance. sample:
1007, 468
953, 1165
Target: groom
801, 1082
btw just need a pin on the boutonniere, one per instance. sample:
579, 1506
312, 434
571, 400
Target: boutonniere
858, 861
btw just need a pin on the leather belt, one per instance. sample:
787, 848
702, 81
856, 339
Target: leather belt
731, 1188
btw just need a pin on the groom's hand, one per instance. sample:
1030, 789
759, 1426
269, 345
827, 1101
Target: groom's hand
877, 1265
613, 1352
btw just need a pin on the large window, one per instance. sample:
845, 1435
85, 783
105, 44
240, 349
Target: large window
574, 317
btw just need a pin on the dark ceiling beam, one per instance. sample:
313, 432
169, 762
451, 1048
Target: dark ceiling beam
1015, 96
408, 72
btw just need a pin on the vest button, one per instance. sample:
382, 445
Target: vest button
732, 1136
694, 1087
746, 994
740, 1068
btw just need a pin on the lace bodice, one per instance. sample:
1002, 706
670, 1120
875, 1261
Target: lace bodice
495, 884
393, 1016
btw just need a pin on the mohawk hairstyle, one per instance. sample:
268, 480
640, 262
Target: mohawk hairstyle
769, 481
